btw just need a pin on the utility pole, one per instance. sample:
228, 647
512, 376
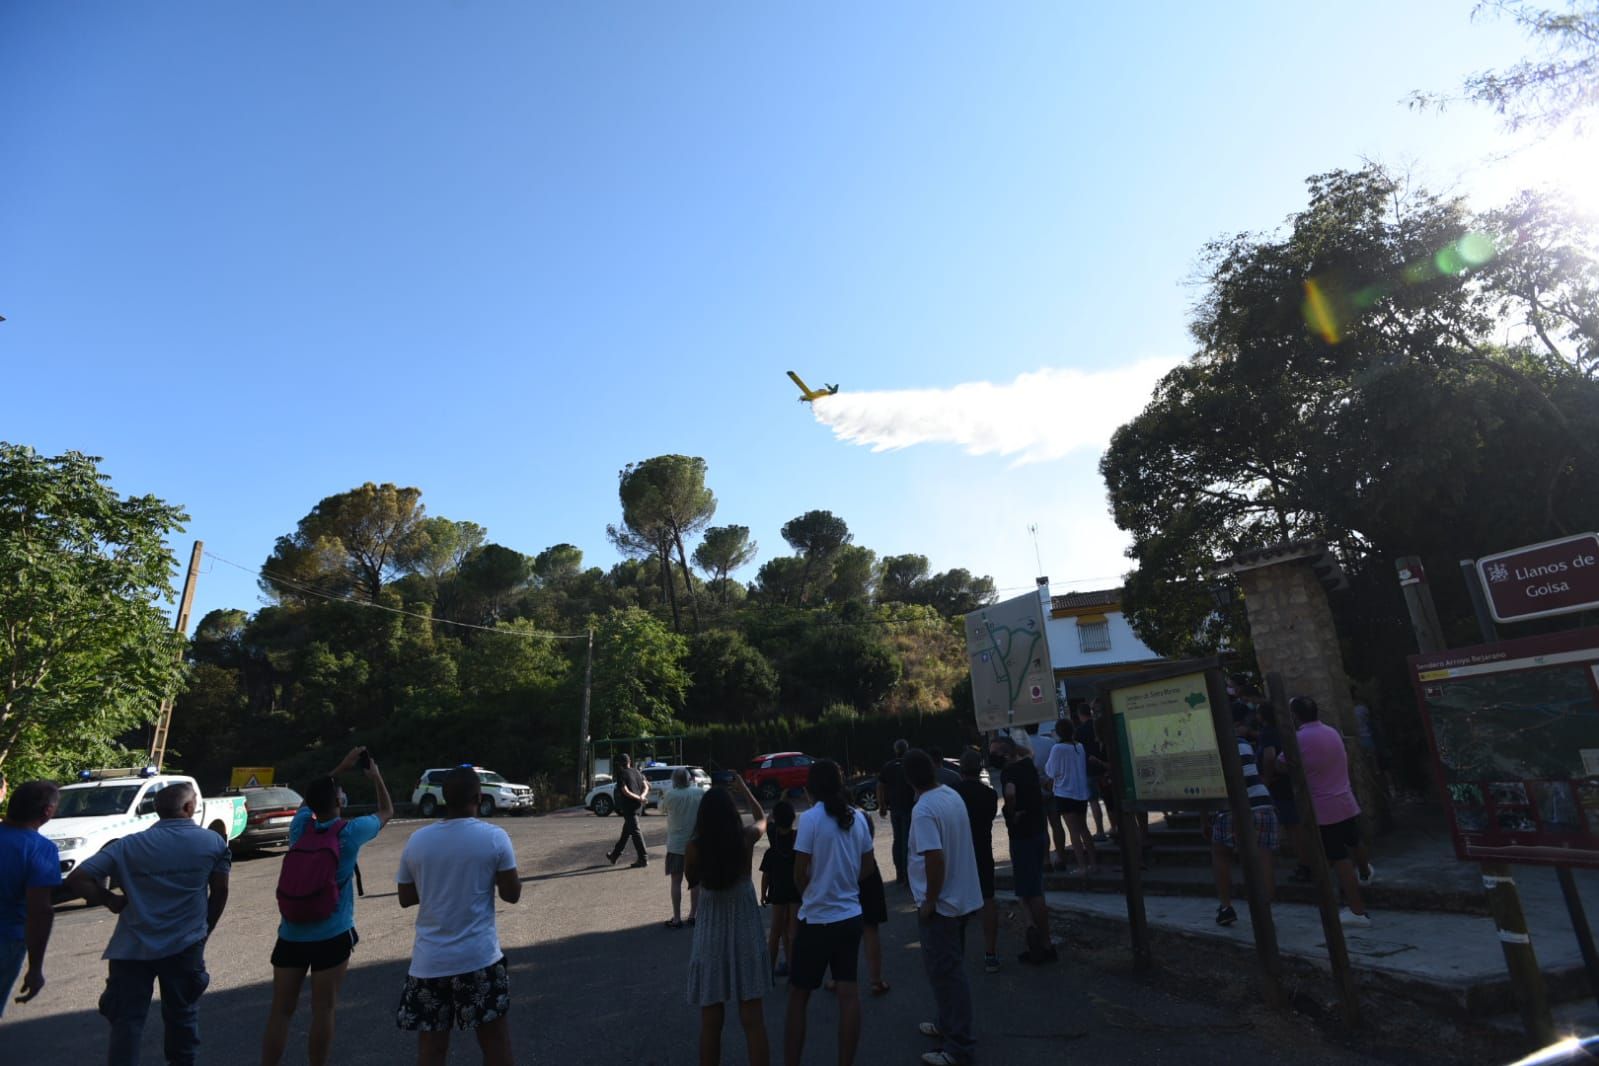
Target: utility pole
583, 722
163, 725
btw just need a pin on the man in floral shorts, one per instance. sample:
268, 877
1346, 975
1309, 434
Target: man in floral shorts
452, 870
1262, 811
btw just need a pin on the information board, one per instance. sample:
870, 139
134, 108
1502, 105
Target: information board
1514, 728
1013, 680
1166, 736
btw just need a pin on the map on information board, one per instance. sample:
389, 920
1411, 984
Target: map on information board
1013, 680
1167, 738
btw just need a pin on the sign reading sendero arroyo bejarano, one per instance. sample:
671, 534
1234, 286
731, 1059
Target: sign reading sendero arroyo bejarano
1538, 580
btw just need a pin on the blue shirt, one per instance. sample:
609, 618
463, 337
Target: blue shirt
164, 872
355, 834
28, 859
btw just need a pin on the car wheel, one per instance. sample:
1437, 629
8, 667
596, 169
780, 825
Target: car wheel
485, 807
866, 799
602, 805
428, 807
769, 792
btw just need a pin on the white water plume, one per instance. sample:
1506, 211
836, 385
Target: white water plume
1040, 416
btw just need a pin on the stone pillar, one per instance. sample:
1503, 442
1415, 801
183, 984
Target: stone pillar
1291, 626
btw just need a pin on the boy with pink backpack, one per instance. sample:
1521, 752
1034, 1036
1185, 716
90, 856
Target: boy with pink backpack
316, 899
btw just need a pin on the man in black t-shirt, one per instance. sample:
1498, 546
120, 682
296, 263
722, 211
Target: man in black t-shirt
981, 807
1029, 839
895, 798
630, 795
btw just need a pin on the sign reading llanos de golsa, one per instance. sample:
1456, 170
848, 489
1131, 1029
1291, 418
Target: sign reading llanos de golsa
1538, 580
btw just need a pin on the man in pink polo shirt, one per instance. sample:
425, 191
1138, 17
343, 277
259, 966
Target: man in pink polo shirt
1337, 812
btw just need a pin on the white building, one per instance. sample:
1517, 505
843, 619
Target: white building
1090, 639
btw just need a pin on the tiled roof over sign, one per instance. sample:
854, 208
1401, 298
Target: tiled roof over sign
1069, 601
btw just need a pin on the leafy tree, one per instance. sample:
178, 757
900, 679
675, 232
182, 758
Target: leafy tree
781, 580
1357, 379
733, 682
899, 577
842, 664
486, 583
517, 658
664, 500
723, 550
352, 542
558, 565
1561, 83
639, 680
954, 592
439, 546
853, 569
816, 536
89, 653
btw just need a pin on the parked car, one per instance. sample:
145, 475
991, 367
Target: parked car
498, 793
268, 812
864, 789
658, 776
770, 776
109, 804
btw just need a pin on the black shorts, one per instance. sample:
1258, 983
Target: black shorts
818, 949
985, 873
874, 903
465, 1001
1066, 805
1340, 838
314, 955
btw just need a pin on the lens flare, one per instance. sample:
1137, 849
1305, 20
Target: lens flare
1319, 314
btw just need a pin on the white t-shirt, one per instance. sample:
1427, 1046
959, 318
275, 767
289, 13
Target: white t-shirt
452, 864
1068, 765
834, 891
939, 823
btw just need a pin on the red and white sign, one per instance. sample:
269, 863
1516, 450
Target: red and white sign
1538, 580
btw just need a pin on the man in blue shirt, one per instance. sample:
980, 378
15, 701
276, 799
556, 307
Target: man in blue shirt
174, 881
322, 947
30, 868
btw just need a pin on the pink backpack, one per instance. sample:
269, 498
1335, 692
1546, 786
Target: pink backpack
308, 886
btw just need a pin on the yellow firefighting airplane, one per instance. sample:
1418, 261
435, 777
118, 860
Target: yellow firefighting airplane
810, 394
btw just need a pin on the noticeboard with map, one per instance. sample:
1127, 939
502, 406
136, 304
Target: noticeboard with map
1166, 736
1013, 679
1514, 728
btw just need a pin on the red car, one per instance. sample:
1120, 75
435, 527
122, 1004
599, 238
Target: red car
770, 776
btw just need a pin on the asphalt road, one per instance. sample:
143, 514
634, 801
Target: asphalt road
596, 978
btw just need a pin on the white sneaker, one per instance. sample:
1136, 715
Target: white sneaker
1359, 921
1369, 876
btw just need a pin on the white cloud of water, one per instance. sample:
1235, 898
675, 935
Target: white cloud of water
1043, 415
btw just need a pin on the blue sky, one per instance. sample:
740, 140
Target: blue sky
257, 254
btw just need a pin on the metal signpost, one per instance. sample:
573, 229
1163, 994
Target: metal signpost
1013, 679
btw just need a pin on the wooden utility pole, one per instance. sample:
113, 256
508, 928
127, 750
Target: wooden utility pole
1504, 902
583, 723
163, 725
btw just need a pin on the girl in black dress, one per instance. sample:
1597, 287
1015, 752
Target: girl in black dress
777, 884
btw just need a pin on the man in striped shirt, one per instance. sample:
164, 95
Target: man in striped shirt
1263, 813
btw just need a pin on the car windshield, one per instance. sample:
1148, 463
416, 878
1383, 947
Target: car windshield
261, 799
489, 777
96, 802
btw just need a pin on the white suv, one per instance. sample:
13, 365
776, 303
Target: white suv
498, 793
602, 798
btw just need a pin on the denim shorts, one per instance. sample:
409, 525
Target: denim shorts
1027, 865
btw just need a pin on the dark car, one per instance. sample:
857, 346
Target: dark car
864, 789
269, 811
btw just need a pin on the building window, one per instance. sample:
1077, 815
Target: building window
1093, 636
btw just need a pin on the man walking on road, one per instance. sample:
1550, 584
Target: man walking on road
452, 870
174, 881
894, 802
30, 869
318, 933
943, 873
631, 794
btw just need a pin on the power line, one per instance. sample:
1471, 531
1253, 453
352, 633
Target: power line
307, 590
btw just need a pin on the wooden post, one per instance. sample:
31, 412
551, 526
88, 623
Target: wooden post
1332, 927
1504, 902
163, 723
1244, 836
1579, 926
583, 767
1132, 854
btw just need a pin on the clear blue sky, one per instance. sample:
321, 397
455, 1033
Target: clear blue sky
253, 255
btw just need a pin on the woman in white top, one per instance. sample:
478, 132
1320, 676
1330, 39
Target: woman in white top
1068, 770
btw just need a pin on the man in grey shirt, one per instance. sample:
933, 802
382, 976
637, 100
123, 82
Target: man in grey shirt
174, 881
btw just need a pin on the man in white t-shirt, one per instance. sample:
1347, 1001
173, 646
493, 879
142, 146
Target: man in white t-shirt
944, 884
458, 978
832, 852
